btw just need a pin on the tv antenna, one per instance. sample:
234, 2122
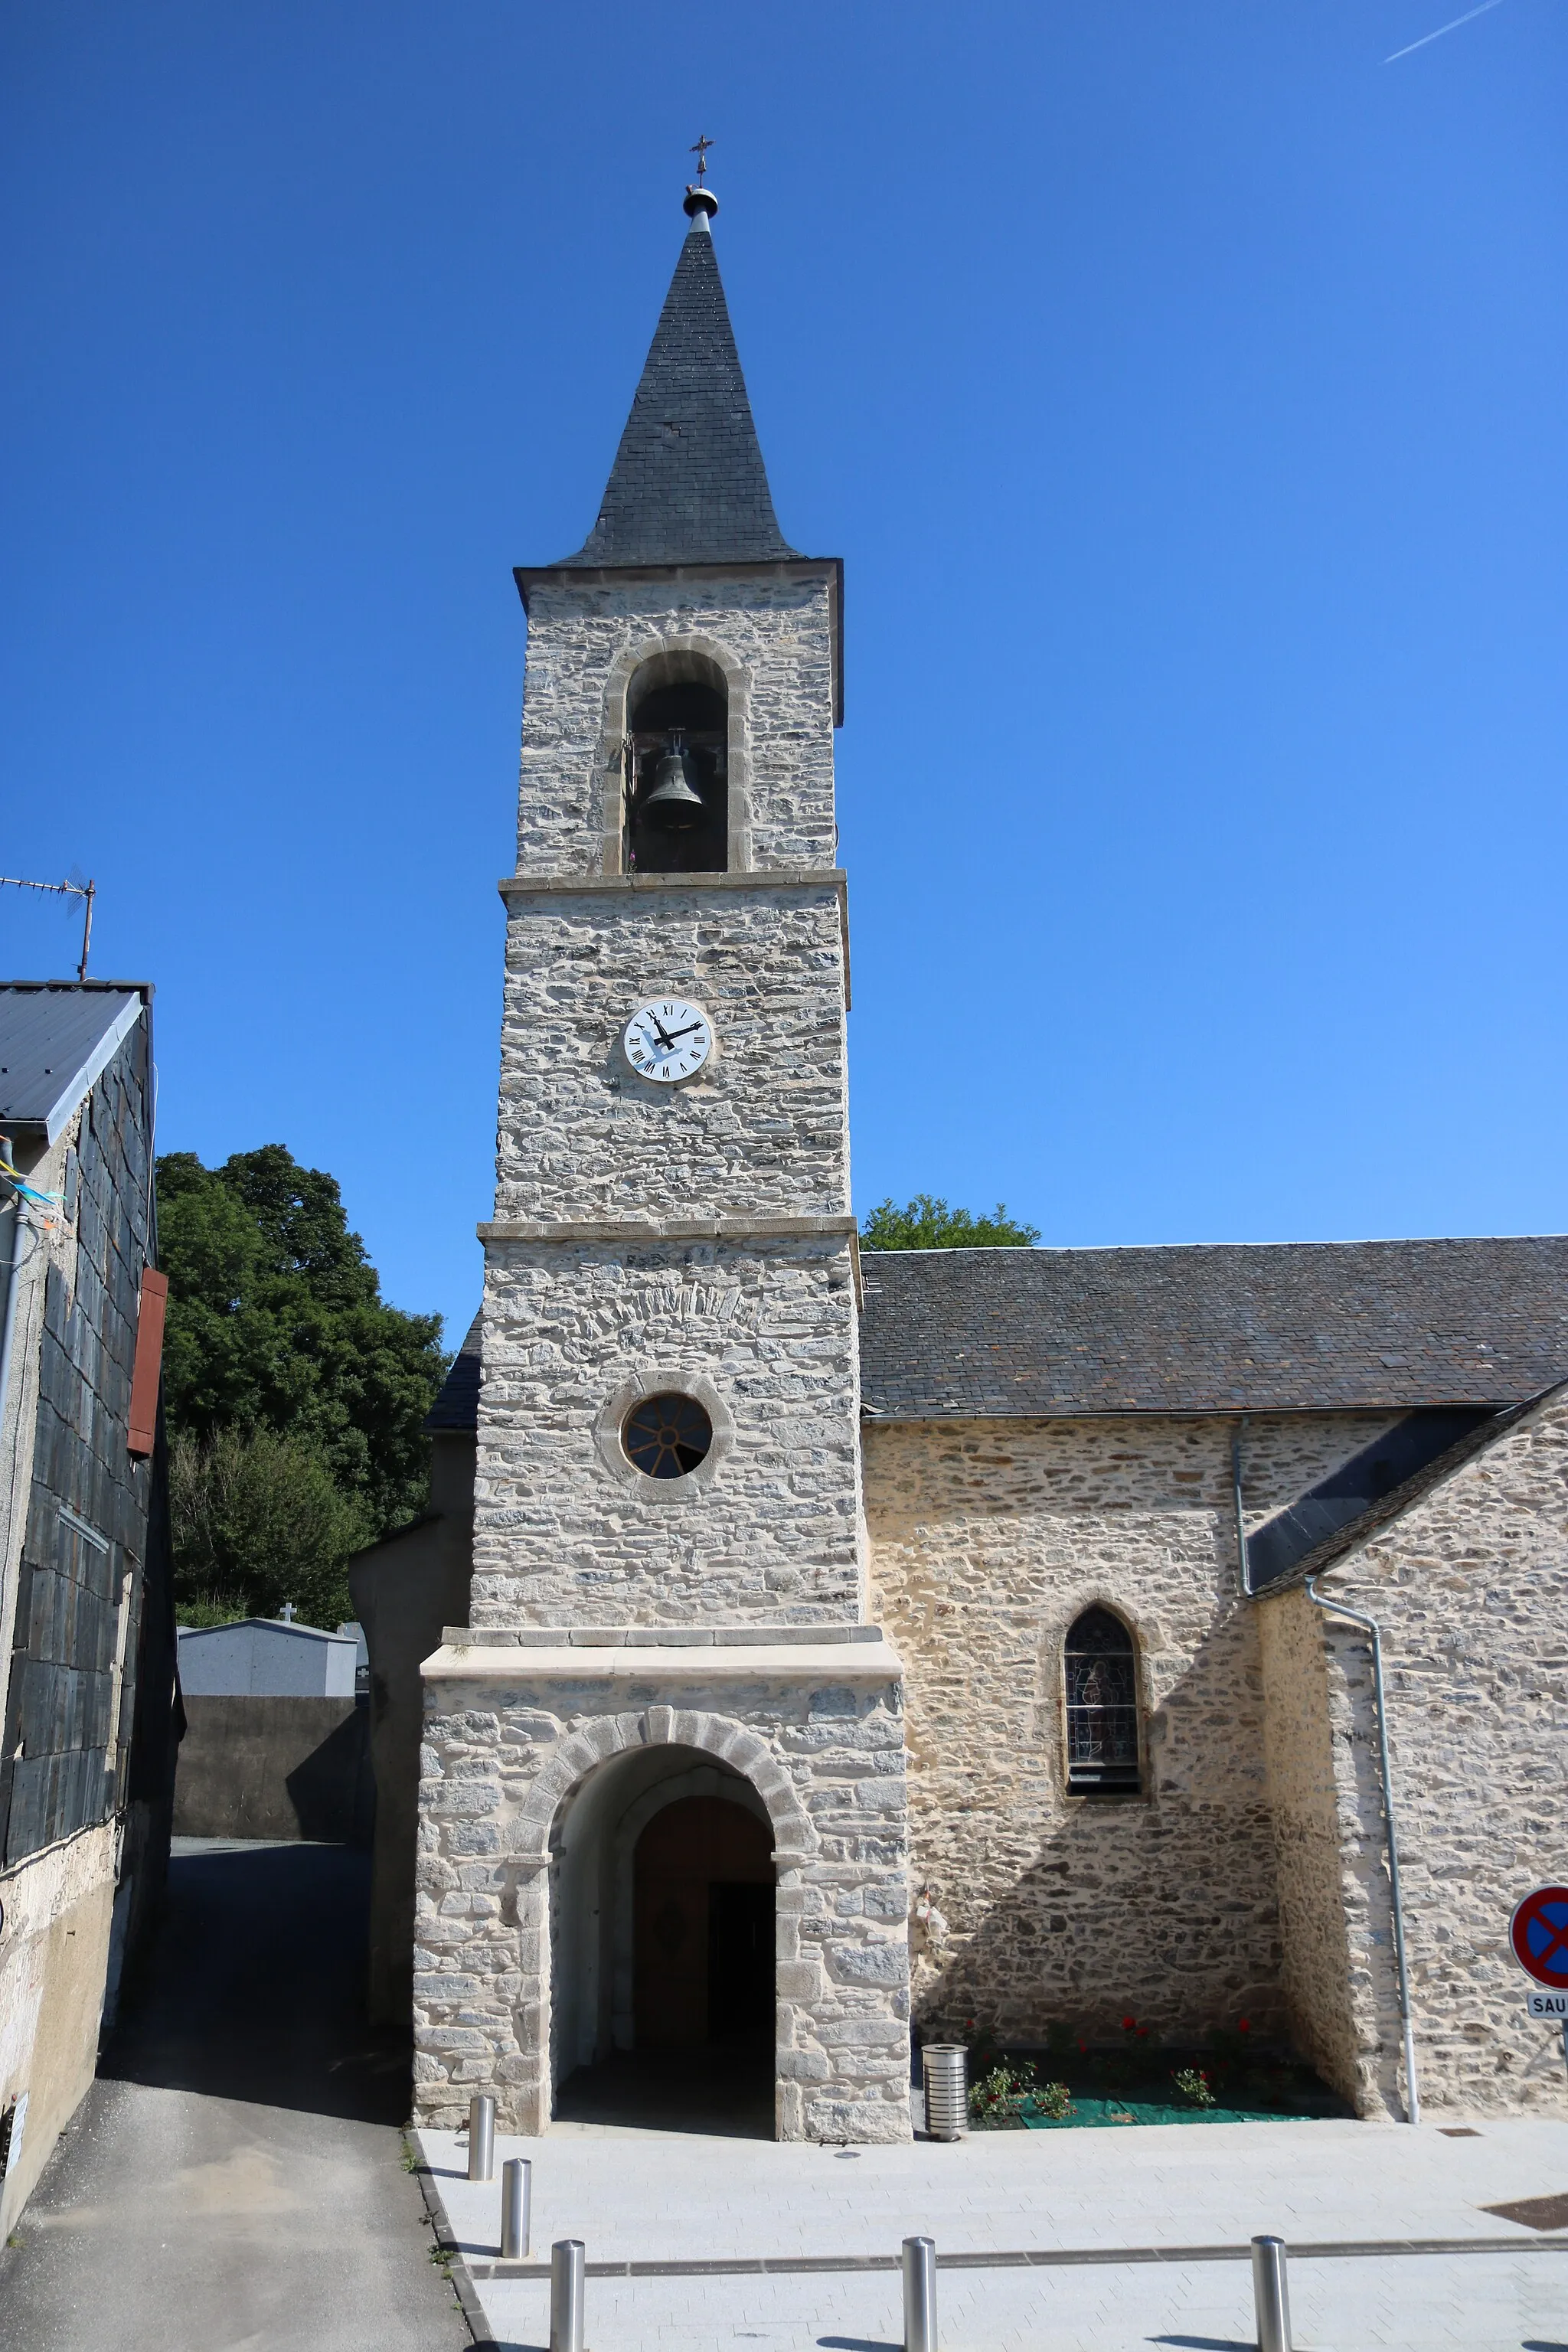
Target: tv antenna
74, 888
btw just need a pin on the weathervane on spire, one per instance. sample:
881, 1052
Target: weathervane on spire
701, 203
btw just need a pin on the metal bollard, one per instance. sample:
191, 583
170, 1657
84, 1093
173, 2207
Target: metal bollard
919, 2295
482, 2136
947, 2097
1270, 2294
516, 2197
566, 2296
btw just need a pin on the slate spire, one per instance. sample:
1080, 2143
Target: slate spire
688, 485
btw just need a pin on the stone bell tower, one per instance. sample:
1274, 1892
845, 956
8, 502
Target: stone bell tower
667, 1701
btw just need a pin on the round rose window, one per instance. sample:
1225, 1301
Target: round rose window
667, 1437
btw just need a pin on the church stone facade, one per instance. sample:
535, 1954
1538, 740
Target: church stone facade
630, 1632
965, 1604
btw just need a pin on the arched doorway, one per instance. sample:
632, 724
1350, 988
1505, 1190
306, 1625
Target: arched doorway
703, 1928
662, 1939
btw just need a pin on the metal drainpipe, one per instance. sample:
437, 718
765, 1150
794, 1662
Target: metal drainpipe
1369, 1625
1242, 1559
11, 1263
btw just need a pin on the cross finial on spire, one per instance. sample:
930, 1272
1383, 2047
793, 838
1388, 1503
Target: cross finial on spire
700, 203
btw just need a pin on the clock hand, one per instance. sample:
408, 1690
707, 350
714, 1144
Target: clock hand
667, 1040
681, 1033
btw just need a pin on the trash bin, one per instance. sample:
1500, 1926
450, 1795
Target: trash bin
947, 2090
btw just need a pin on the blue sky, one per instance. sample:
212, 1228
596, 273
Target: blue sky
1184, 386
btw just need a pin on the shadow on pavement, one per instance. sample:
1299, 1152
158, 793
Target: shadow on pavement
254, 1988
721, 2091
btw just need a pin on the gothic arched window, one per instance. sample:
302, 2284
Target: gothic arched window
1101, 1708
676, 767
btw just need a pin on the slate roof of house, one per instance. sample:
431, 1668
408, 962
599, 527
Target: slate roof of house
1288, 1327
688, 485
269, 1627
458, 1404
57, 1038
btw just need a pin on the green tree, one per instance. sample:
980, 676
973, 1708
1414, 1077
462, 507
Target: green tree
926, 1222
278, 1329
257, 1519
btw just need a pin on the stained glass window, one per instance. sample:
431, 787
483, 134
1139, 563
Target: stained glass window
1102, 1708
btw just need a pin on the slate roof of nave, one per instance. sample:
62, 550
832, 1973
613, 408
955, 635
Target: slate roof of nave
1388, 1509
458, 1404
1258, 1327
688, 485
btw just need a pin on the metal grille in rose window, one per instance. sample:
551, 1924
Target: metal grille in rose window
1102, 1708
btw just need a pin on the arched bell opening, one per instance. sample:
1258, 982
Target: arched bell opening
662, 1939
676, 767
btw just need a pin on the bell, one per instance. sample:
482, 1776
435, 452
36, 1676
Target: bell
674, 801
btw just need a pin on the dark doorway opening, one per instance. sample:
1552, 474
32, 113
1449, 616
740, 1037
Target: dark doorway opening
740, 1961
702, 1979
703, 1914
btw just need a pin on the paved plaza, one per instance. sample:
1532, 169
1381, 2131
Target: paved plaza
1163, 2215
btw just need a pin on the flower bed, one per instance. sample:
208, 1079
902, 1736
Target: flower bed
1074, 2085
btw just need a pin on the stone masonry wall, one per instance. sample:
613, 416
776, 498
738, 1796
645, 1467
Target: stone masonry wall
502, 1753
1470, 1587
775, 634
769, 1529
987, 1538
762, 1129
1327, 2002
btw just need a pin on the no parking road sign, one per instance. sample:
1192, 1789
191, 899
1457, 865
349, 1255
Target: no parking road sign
1539, 1934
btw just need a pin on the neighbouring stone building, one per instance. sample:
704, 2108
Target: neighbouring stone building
846, 1646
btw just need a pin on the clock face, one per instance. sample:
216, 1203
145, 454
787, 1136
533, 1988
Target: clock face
669, 1040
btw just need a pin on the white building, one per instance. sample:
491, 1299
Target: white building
262, 1657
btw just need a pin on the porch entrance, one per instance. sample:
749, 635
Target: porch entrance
703, 1924
664, 1949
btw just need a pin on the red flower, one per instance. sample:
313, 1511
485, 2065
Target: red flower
1243, 2025
1127, 2023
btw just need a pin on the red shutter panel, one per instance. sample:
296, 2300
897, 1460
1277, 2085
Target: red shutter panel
149, 1360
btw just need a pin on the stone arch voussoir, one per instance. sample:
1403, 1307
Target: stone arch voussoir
795, 1836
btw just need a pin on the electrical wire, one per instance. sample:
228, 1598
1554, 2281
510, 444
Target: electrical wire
29, 1191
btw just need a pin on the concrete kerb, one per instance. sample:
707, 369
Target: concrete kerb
458, 2272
